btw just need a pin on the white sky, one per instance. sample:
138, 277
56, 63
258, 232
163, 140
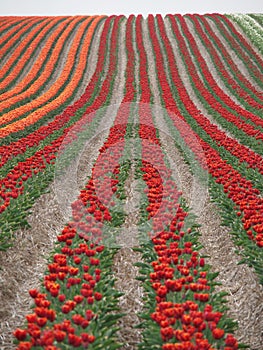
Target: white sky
126, 7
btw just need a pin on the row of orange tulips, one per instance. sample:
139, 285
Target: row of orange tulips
20, 57
13, 36
53, 98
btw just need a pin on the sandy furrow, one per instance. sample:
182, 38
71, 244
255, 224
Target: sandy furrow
242, 67
245, 293
124, 270
62, 59
91, 62
210, 64
186, 181
186, 80
23, 265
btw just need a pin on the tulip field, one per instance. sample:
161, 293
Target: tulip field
131, 182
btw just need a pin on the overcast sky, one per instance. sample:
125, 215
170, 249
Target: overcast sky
126, 7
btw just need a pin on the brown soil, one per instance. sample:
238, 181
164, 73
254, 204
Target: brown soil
123, 265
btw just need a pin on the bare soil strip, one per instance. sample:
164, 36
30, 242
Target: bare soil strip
32, 59
124, 270
10, 52
245, 293
23, 265
91, 63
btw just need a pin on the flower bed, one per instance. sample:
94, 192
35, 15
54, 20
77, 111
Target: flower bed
77, 303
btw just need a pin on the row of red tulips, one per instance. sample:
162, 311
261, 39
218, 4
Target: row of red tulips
242, 47
240, 86
73, 309
180, 297
78, 294
245, 199
239, 151
252, 33
219, 101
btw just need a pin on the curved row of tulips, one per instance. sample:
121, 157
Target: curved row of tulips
250, 27
246, 155
23, 101
22, 54
78, 298
7, 23
221, 105
47, 37
240, 44
29, 164
80, 269
61, 91
247, 57
249, 97
238, 198
13, 33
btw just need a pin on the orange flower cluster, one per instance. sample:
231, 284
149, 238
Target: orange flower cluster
46, 102
19, 58
13, 35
